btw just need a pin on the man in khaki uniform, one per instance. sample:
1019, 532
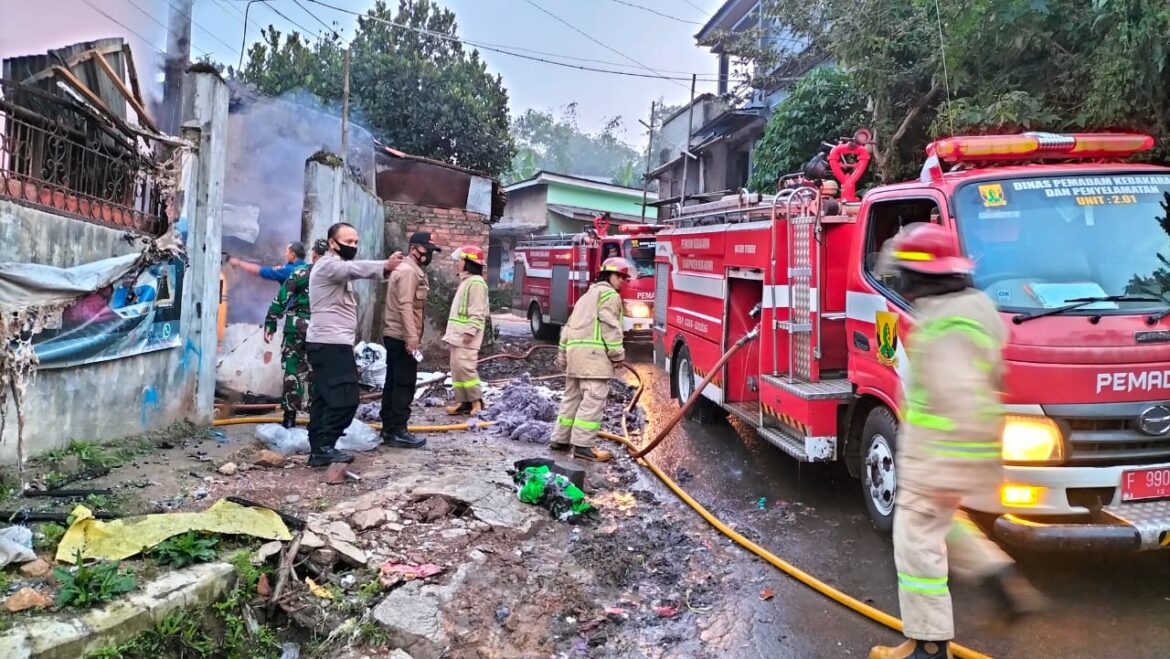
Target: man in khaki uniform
949, 444
402, 328
465, 325
591, 347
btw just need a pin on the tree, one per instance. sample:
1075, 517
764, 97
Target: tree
823, 105
558, 144
1000, 65
418, 92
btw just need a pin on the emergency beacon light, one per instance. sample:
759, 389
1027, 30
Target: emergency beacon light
1033, 146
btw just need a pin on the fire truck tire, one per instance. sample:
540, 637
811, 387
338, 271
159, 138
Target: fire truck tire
541, 330
878, 478
683, 373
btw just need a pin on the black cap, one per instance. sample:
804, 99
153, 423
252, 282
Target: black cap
424, 238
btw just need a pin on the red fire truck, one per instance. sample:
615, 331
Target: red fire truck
1072, 244
553, 272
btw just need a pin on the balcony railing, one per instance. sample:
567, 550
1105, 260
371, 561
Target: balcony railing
58, 155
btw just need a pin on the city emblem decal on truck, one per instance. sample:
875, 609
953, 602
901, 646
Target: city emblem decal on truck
886, 333
992, 195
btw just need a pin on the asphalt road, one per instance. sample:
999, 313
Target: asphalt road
814, 517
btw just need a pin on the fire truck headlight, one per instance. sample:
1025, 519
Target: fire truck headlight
637, 310
1031, 439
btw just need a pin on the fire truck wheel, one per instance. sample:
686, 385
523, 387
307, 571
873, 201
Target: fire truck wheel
683, 372
878, 479
541, 330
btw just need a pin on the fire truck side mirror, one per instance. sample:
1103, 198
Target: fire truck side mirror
754, 314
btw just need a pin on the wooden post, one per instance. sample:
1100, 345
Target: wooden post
345, 109
682, 200
649, 151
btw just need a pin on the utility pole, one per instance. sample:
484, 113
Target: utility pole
682, 201
177, 59
649, 151
345, 109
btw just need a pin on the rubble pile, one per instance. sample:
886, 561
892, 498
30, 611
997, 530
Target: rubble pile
523, 411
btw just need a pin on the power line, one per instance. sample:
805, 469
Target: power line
700, 9
505, 50
655, 11
280, 13
124, 26
211, 34
159, 23
306, 10
600, 43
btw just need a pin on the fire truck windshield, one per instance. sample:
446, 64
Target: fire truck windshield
640, 252
1039, 242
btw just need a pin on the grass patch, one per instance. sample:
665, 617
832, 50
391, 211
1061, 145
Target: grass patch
47, 536
87, 585
186, 549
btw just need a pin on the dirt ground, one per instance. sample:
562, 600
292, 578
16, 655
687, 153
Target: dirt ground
644, 577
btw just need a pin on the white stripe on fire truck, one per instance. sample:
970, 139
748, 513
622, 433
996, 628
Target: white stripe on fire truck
696, 314
864, 307
776, 297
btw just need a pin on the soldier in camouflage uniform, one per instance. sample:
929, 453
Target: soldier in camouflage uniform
292, 302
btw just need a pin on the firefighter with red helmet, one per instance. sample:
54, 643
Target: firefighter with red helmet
465, 326
591, 347
949, 444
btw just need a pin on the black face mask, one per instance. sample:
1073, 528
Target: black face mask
425, 257
346, 252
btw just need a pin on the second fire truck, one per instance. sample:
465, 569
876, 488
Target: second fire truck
552, 272
1072, 243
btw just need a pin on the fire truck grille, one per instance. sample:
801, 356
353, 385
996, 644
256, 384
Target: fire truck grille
1113, 441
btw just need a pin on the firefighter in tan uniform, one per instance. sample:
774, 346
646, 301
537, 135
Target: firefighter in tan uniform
591, 347
949, 445
465, 324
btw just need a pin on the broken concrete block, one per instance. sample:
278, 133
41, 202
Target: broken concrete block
349, 553
335, 474
340, 531
266, 551
229, 469
35, 569
269, 459
26, 598
368, 519
311, 540
324, 557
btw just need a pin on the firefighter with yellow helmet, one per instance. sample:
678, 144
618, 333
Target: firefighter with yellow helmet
949, 444
465, 326
591, 348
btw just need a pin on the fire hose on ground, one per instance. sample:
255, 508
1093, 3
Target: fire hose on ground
639, 455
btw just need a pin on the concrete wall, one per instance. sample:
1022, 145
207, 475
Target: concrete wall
146, 392
331, 197
526, 206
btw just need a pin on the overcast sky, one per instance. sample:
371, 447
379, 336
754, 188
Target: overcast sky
667, 46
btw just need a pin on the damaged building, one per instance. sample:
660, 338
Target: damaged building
109, 249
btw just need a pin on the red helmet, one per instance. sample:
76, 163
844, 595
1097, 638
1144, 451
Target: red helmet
617, 265
930, 249
471, 253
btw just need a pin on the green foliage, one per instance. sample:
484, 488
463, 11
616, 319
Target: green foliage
1002, 65
558, 144
823, 105
50, 534
87, 585
90, 453
420, 93
183, 550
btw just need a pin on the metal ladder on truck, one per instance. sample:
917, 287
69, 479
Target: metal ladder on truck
802, 378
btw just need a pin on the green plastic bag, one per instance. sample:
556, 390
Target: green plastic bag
539, 486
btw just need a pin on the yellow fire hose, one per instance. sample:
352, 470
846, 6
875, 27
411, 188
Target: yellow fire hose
803, 577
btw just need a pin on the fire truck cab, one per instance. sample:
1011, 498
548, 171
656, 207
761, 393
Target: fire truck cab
1075, 253
552, 272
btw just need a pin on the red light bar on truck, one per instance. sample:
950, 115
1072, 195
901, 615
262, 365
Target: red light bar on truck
1034, 146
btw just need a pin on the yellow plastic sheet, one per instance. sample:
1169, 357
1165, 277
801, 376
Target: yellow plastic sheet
123, 538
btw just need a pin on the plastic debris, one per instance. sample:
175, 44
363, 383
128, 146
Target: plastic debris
761, 502
767, 594
318, 591
16, 545
393, 574
542, 487
285, 441
666, 611
359, 437
371, 364
124, 538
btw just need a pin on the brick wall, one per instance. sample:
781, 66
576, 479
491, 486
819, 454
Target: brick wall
450, 229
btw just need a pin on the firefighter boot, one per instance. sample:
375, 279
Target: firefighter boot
1018, 598
592, 454
557, 446
912, 649
458, 408
475, 407
290, 419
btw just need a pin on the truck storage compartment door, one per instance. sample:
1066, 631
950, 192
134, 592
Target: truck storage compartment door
519, 302
558, 296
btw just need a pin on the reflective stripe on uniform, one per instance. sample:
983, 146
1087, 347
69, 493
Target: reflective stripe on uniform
467, 384
598, 340
460, 317
565, 421
924, 585
588, 425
